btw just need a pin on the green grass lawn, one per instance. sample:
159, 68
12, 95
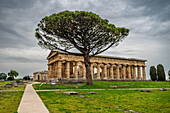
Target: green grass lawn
108, 101
9, 101
20, 87
105, 84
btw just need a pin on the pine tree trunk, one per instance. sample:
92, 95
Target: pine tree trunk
88, 69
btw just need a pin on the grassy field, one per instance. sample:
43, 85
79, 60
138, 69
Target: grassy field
9, 101
106, 84
20, 87
108, 101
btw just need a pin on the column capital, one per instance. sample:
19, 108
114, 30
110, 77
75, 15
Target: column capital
134, 65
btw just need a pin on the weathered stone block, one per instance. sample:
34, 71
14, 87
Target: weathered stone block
92, 93
70, 93
162, 89
113, 87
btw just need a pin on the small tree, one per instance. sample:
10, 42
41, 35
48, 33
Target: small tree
26, 77
169, 74
10, 78
3, 76
85, 31
13, 73
160, 72
153, 74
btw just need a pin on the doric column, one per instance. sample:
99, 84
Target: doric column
59, 69
123, 72
108, 73
67, 69
144, 74
105, 71
139, 73
129, 72
84, 71
134, 72
71, 69
102, 73
75, 71
52, 70
49, 71
98, 71
111, 71
131, 67
55, 70
117, 72
92, 70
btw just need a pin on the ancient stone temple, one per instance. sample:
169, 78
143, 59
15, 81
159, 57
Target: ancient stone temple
64, 65
40, 75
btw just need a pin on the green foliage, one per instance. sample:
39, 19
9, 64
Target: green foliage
13, 73
153, 74
85, 31
10, 78
160, 72
9, 101
26, 77
108, 101
3, 76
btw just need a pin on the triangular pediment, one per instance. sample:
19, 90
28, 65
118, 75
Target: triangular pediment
52, 52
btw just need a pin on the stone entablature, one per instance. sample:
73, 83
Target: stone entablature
40, 75
64, 65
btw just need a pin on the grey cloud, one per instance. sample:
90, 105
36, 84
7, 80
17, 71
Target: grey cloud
20, 59
158, 8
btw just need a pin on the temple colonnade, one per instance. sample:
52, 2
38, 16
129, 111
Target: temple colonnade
62, 65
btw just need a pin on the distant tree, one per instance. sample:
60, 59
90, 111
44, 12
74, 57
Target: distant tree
26, 77
13, 73
169, 74
153, 74
3, 76
85, 31
160, 72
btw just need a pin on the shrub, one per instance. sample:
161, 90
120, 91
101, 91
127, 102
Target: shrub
26, 78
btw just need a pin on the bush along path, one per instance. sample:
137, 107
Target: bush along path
31, 102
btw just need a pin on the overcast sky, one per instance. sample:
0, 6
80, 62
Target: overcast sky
148, 21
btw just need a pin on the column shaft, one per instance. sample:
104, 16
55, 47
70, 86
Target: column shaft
129, 72
84, 71
67, 69
55, 70
111, 71
117, 72
92, 71
123, 72
139, 73
144, 74
75, 71
98, 71
105, 71
59, 69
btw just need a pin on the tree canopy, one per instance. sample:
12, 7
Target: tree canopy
3, 76
85, 31
13, 73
